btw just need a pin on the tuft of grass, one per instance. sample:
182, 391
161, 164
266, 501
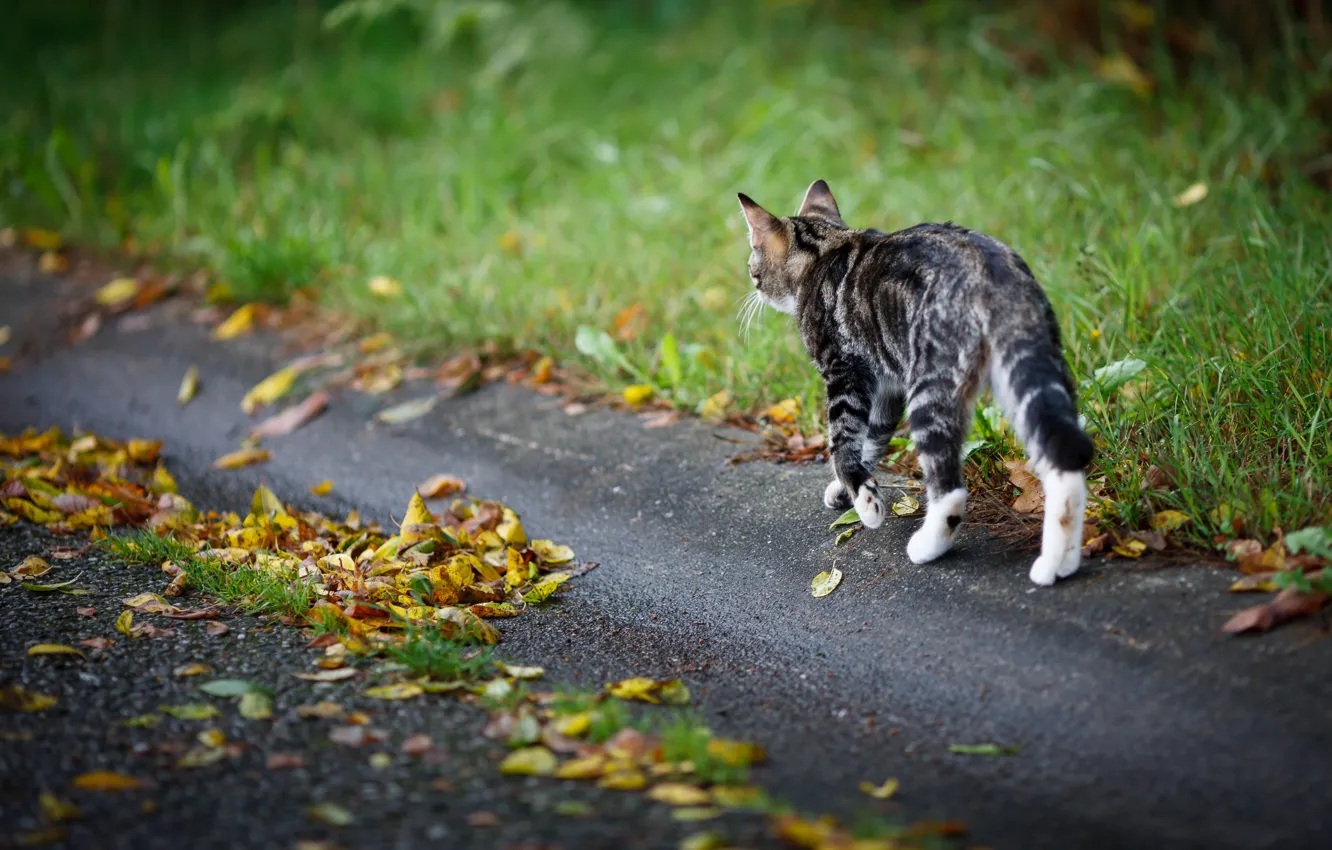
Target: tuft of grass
595, 172
253, 590
426, 651
684, 737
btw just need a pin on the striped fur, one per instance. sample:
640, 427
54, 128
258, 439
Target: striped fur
919, 323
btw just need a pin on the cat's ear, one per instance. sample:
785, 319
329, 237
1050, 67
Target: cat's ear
820, 203
765, 229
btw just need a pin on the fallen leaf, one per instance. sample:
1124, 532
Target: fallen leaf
31, 567
86, 612
150, 603
880, 792
1129, 548
1289, 604
1033, 495
982, 749
56, 810
212, 737
542, 590
851, 517
328, 675
844, 537
1166, 521
255, 705
1190, 196
216, 628
191, 711
636, 394
58, 587
440, 486
1120, 69
483, 819
380, 761
630, 779
323, 488
407, 410
783, 412
241, 321
906, 505
269, 390
189, 386
106, 780
573, 809
400, 690
737, 796
16, 698
586, 767
825, 582
142, 721
736, 753
322, 709
53, 649
529, 761
353, 735
694, 814
42, 240
285, 761
116, 292
384, 287
97, 642
1260, 582
293, 417
714, 406
548, 552
655, 691
330, 813
195, 669
704, 841
417, 745
679, 794
242, 458
521, 672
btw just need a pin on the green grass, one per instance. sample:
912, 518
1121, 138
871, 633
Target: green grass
600, 173
253, 590
426, 651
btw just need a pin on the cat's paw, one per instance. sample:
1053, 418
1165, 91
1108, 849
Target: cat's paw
1046, 570
835, 496
928, 543
1070, 564
869, 504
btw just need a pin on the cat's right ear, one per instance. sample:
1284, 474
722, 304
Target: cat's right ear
765, 229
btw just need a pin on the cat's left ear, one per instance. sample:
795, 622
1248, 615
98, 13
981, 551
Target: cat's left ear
820, 203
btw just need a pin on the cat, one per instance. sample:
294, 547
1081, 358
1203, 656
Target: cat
920, 322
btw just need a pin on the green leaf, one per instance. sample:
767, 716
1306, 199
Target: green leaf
670, 361
982, 749
598, 345
228, 687
1112, 376
255, 705
1314, 540
60, 587
848, 518
193, 711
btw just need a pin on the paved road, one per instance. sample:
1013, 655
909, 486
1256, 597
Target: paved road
1139, 725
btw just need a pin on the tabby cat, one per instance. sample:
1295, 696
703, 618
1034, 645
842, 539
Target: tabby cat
921, 321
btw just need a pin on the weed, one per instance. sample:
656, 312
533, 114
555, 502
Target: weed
426, 651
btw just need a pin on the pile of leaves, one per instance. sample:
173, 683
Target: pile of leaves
456, 569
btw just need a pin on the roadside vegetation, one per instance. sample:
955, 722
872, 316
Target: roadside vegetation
562, 177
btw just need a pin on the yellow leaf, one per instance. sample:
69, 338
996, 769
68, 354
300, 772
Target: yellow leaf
510, 529
783, 412
15, 698
106, 780
1166, 521
519, 671
440, 486
638, 688
552, 553
542, 590
679, 794
587, 767
242, 458
330, 813
55, 810
401, 690
269, 390
116, 292
623, 780
191, 711
381, 761
880, 792
42, 240
574, 725
31, 567
825, 582
163, 482
637, 394
737, 796
52, 262
1130, 548
384, 287
241, 321
194, 669
143, 451
418, 524
53, 649
1259, 582
1120, 69
906, 506
212, 737
323, 488
255, 705
736, 753
189, 385
693, 814
529, 761
1190, 196
714, 406
150, 603
375, 342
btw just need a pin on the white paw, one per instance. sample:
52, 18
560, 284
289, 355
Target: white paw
1045, 570
929, 542
1070, 564
869, 505
833, 494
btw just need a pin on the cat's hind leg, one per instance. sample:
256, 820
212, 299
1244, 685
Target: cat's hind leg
938, 419
1061, 534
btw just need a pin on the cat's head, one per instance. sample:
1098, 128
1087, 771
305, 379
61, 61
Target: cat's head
780, 260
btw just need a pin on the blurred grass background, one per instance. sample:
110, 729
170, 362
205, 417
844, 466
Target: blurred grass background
529, 168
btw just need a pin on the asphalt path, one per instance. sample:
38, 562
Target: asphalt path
1138, 724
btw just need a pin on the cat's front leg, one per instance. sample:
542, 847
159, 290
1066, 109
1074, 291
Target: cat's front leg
849, 404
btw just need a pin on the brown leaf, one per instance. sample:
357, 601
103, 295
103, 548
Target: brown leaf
97, 642
441, 486
241, 458
1096, 545
86, 612
292, 418
1033, 496
1289, 604
354, 736
285, 761
417, 745
483, 819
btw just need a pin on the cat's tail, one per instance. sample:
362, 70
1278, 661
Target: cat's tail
1035, 389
